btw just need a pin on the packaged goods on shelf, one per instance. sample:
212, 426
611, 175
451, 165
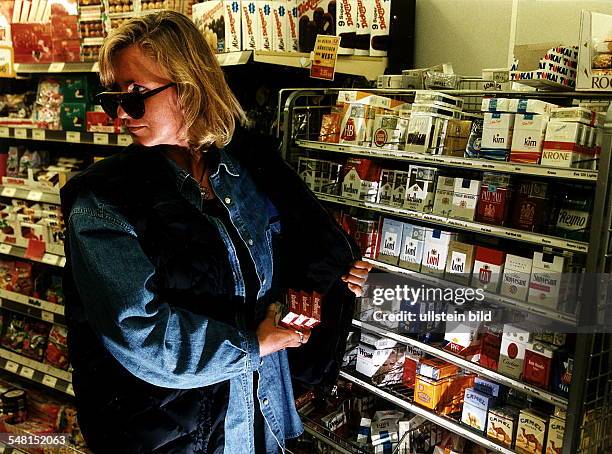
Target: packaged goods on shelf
316, 18
384, 431
249, 24
563, 368
494, 200
280, 27
531, 205
443, 199
378, 342
554, 435
547, 284
428, 127
515, 340
366, 237
561, 146
346, 26
48, 104
531, 106
444, 396
488, 269
72, 116
465, 197
435, 251
356, 123
460, 262
389, 131
361, 179
386, 81
219, 22
363, 22
474, 145
334, 420
550, 337
56, 353
385, 187
577, 115
495, 105
488, 387
420, 190
502, 423
390, 241
491, 344
330, 128
411, 363
436, 368
100, 122
413, 244
457, 136
531, 432
517, 274
118, 6
572, 217
496, 136
476, 405
463, 338
538, 364
26, 336
441, 80
383, 366
528, 138
439, 99
364, 430
380, 23
556, 69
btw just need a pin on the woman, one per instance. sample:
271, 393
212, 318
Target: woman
178, 249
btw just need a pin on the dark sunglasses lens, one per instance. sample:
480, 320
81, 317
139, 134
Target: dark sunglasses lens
109, 104
133, 104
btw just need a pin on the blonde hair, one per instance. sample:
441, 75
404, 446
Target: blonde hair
172, 40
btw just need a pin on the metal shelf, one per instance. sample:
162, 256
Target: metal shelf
7, 449
467, 365
32, 307
49, 135
485, 229
50, 258
403, 401
33, 195
454, 162
329, 438
44, 374
489, 297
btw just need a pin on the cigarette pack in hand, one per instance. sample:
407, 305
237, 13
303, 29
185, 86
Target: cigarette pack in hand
304, 310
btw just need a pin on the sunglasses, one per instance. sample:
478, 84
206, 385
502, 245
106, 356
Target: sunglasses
133, 103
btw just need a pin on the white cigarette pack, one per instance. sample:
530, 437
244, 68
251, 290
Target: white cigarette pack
249, 25
390, 241
465, 197
497, 131
528, 138
578, 114
561, 144
547, 282
515, 339
515, 282
534, 106
413, 243
435, 253
265, 25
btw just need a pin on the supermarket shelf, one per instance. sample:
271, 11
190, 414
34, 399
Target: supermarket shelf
50, 258
368, 67
485, 229
33, 307
494, 298
329, 438
403, 402
49, 135
467, 365
44, 374
454, 162
29, 194
6, 449
227, 59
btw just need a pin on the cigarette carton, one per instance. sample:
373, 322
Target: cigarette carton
556, 432
517, 273
497, 135
386, 187
494, 201
530, 206
435, 252
512, 354
334, 420
413, 244
547, 283
488, 387
465, 197
495, 105
457, 135
531, 432
528, 138
491, 344
388, 131
501, 425
379, 343
475, 407
488, 268
400, 184
577, 115
460, 262
436, 369
384, 431
561, 146
361, 180
411, 364
390, 241
531, 106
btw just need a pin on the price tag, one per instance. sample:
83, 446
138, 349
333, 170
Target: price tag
11, 366
8, 192
35, 195
73, 136
70, 389
50, 259
56, 67
39, 134
49, 381
4, 131
47, 316
124, 139
100, 139
21, 133
26, 372
5, 248
62, 262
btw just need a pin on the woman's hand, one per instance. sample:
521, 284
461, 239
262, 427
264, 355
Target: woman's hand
357, 276
273, 338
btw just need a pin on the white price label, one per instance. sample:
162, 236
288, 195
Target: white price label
100, 138
62, 262
49, 381
50, 259
8, 192
124, 139
47, 316
26, 372
5, 248
35, 196
21, 133
56, 67
70, 389
4, 131
39, 134
73, 136
11, 366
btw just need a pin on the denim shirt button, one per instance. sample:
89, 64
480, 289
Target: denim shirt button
250, 242
227, 200
265, 402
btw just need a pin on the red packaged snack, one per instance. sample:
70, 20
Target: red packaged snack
7, 270
100, 122
15, 333
35, 342
57, 348
22, 278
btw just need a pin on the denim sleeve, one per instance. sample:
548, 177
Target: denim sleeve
160, 344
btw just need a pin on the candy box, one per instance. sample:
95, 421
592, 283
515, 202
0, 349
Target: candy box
435, 251
363, 22
436, 369
515, 281
100, 122
56, 353
538, 364
531, 432
515, 340
390, 241
72, 116
413, 244
460, 262
209, 18
465, 197
488, 268
554, 439
443, 199
379, 26
547, 283
249, 24
502, 423
280, 27
315, 18
32, 43
475, 407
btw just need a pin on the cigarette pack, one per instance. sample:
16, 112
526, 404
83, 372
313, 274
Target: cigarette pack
528, 138
379, 26
363, 434
512, 354
462, 337
390, 81
517, 273
538, 364
420, 189
280, 26
384, 366
384, 431
556, 432
390, 241
563, 368
307, 171
361, 179
293, 314
436, 369
488, 387
330, 128
475, 407
547, 282
460, 262
530, 206
400, 183
346, 26
435, 252
496, 135
495, 105
388, 131
334, 420
531, 432
413, 244
436, 110
577, 115
385, 187
438, 98
457, 135
501, 425
488, 268
364, 16
472, 150
305, 307
264, 25
411, 364
494, 201
531, 106
561, 146
356, 121
443, 199
465, 197
379, 343
490, 347
249, 24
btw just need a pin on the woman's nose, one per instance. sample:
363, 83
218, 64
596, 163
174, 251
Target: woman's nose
122, 114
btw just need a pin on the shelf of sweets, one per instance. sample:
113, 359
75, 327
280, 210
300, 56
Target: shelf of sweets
29, 194
522, 306
535, 170
463, 363
48, 258
50, 135
36, 371
401, 396
32, 307
486, 229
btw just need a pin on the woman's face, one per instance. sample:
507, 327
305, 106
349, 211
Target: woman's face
161, 123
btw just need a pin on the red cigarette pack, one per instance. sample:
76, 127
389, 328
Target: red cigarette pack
315, 313
293, 303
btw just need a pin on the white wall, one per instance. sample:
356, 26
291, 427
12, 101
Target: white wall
476, 34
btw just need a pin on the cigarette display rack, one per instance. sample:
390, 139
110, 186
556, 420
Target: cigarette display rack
589, 404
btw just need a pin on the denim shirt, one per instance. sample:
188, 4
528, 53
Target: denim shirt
170, 347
